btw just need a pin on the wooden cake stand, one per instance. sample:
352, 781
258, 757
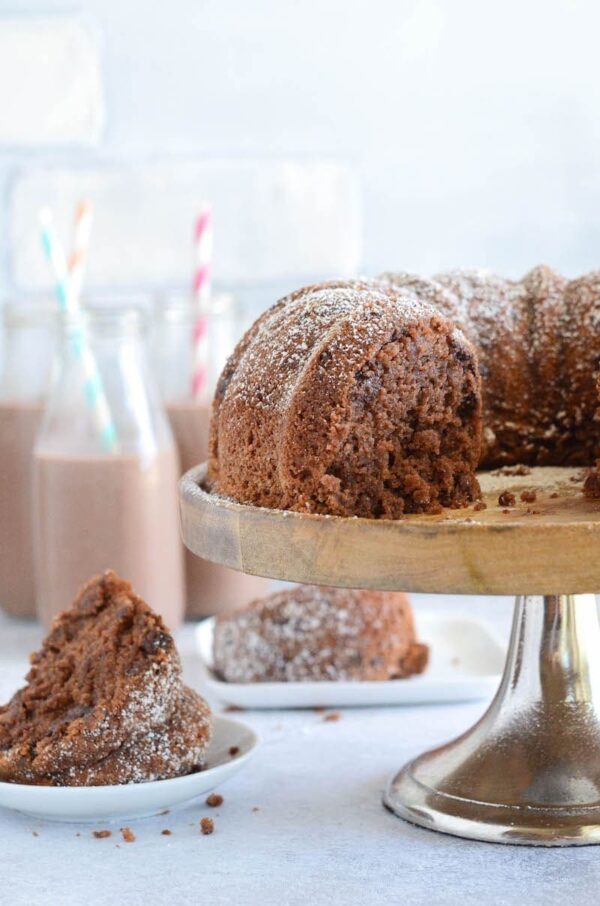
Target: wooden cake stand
529, 770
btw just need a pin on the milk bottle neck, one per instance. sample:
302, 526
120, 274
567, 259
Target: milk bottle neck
103, 382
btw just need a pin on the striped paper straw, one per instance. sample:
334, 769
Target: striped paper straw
81, 244
203, 241
69, 305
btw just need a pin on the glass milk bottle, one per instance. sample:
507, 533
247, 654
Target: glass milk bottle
105, 489
210, 588
30, 333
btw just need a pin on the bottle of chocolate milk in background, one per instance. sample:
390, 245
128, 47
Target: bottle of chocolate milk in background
210, 588
99, 505
30, 334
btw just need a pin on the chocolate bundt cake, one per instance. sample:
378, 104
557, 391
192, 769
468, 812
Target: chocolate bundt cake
314, 633
104, 701
363, 397
349, 398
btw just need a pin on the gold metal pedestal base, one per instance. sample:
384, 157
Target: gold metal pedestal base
529, 771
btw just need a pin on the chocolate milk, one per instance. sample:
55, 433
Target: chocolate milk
19, 423
210, 588
96, 512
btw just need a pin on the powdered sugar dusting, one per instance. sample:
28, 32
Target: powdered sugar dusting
305, 321
171, 748
314, 633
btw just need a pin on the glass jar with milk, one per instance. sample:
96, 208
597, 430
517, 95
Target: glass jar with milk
106, 469
210, 588
29, 333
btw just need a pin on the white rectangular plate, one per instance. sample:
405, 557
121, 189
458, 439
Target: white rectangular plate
465, 663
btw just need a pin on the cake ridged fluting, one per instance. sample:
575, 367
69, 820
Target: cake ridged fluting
313, 633
363, 397
349, 398
104, 701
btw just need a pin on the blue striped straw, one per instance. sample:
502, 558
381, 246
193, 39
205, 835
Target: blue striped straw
68, 301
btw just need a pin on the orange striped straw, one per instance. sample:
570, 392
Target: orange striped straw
81, 244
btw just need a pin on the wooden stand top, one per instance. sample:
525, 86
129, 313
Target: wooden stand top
547, 546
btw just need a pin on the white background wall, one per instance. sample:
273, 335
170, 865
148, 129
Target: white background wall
473, 127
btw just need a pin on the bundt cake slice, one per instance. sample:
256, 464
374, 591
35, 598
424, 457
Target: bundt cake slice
105, 686
350, 399
317, 633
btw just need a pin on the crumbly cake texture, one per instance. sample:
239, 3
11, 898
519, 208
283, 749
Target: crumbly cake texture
104, 700
172, 749
316, 633
538, 344
349, 398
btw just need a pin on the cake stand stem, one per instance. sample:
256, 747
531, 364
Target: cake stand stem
529, 770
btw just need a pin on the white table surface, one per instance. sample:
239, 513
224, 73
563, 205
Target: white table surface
320, 836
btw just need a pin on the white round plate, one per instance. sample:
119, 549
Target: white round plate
465, 664
136, 800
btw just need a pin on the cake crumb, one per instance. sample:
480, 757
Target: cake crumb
35, 833
506, 498
333, 716
128, 835
233, 750
102, 834
166, 832
214, 800
207, 826
528, 496
233, 709
480, 505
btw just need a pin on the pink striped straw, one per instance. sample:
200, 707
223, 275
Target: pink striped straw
203, 241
